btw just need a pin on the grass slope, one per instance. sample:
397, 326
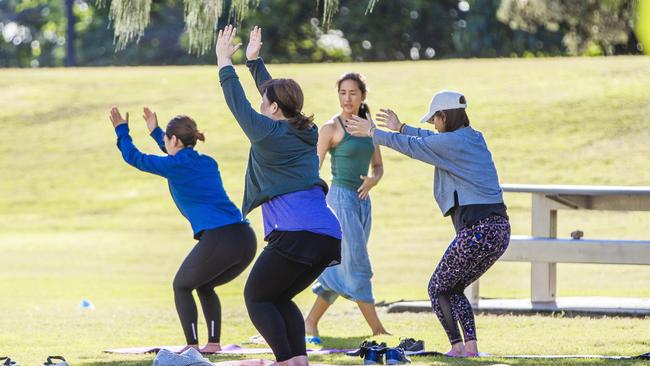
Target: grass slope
76, 222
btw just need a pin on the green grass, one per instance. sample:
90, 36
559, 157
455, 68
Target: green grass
76, 222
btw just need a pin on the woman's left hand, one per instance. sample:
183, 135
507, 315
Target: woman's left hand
366, 186
360, 127
225, 47
116, 117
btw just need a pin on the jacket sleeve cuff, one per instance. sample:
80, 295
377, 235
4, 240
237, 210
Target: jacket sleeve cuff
226, 73
251, 63
122, 130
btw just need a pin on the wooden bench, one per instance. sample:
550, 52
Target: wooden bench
544, 250
533, 249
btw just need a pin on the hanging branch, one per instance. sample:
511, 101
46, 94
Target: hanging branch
201, 17
330, 7
131, 17
371, 6
240, 8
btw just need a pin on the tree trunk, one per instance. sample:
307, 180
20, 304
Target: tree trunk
70, 34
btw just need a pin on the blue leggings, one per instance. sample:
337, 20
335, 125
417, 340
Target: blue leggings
472, 252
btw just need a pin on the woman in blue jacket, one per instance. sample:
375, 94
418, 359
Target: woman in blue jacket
303, 234
466, 187
226, 243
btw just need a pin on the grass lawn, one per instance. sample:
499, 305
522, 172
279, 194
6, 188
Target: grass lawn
76, 222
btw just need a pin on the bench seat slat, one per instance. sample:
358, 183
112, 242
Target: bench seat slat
551, 250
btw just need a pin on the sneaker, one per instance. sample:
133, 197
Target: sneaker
364, 344
411, 346
60, 361
6, 361
396, 356
373, 355
313, 340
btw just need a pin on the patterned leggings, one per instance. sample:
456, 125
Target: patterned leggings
472, 252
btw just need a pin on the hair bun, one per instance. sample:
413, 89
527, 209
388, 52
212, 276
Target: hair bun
200, 136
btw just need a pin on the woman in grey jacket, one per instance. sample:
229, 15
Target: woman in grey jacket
466, 187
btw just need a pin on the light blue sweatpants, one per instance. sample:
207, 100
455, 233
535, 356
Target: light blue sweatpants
350, 279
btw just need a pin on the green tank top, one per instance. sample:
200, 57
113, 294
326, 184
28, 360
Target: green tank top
350, 159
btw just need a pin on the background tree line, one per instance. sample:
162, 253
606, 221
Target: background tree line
37, 33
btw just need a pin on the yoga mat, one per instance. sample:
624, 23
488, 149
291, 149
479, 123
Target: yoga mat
258, 362
645, 356
232, 349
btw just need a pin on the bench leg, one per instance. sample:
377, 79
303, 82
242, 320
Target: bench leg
543, 282
471, 292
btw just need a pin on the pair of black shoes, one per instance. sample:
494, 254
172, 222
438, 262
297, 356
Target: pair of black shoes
374, 353
51, 361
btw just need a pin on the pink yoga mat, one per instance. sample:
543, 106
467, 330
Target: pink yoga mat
232, 349
258, 362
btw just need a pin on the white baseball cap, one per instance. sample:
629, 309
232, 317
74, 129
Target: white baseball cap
443, 100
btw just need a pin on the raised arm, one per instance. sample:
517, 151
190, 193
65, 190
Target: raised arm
255, 125
254, 63
429, 149
160, 165
389, 119
151, 119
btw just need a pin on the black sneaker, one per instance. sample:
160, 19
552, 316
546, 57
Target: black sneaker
396, 356
364, 344
373, 355
411, 346
60, 361
6, 361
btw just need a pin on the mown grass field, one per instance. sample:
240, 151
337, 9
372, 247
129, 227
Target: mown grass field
76, 222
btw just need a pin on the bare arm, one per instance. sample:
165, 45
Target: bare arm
324, 142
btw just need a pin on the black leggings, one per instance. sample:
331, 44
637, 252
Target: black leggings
274, 280
220, 255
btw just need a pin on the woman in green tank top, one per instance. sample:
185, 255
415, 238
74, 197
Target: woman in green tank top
349, 197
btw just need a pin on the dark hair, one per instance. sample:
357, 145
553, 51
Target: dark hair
364, 110
287, 94
454, 118
184, 128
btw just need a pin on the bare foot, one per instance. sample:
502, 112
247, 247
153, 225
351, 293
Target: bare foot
211, 348
195, 346
457, 350
298, 361
471, 349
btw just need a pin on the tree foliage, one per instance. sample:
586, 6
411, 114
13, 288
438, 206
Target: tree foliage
33, 32
589, 26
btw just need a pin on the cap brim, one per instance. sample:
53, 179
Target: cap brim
426, 117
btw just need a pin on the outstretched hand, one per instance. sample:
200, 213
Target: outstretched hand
225, 47
150, 118
360, 127
116, 117
254, 44
389, 119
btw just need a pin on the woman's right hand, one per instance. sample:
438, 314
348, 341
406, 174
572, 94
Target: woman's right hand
225, 47
254, 44
389, 119
150, 118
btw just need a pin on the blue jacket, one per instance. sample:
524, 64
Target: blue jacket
194, 181
462, 160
